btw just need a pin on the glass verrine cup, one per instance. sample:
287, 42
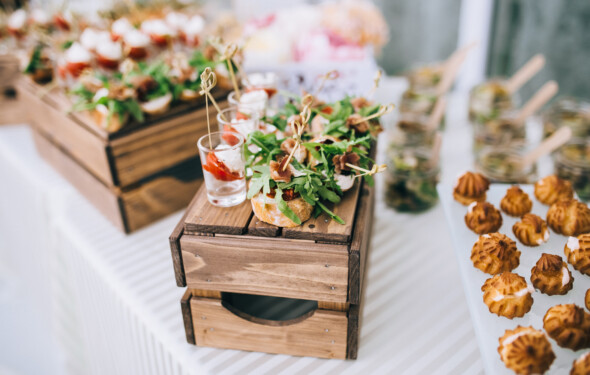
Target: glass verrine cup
501, 131
234, 120
488, 100
223, 164
420, 101
250, 102
412, 130
572, 163
267, 81
568, 112
425, 76
504, 164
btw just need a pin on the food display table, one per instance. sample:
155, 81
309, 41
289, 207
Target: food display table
114, 305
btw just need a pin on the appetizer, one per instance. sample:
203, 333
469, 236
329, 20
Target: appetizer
526, 351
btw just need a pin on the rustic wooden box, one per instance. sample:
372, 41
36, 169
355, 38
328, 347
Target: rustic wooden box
271, 325
134, 176
221, 252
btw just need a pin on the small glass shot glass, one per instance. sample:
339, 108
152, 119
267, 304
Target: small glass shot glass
503, 165
234, 120
222, 159
250, 102
411, 178
267, 81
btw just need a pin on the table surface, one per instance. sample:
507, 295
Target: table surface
116, 305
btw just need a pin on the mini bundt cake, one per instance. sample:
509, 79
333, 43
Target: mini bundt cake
516, 202
568, 325
483, 217
577, 251
552, 189
495, 253
471, 187
581, 366
508, 294
526, 351
569, 217
531, 230
551, 276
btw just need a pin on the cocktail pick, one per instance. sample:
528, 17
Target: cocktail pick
228, 56
377, 168
331, 75
557, 139
298, 126
208, 81
376, 81
383, 110
525, 73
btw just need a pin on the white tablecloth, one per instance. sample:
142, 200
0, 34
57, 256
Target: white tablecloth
114, 305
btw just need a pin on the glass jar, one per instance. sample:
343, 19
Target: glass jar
419, 101
412, 130
425, 76
568, 112
488, 100
503, 164
411, 178
572, 163
502, 131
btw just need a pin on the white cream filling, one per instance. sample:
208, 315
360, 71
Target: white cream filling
17, 20
573, 243
521, 293
565, 276
231, 158
121, 27
194, 26
486, 236
136, 39
77, 54
110, 50
40, 17
157, 27
510, 339
544, 239
470, 207
255, 100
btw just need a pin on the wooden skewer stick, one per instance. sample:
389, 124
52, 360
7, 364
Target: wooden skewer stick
451, 68
377, 168
208, 81
228, 56
545, 93
556, 140
437, 113
298, 126
331, 75
525, 73
376, 81
383, 110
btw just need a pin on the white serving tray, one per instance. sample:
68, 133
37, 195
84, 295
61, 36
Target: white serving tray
490, 327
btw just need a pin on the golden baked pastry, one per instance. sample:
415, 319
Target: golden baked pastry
552, 189
568, 325
551, 276
508, 294
581, 366
526, 351
471, 187
569, 217
483, 217
495, 253
577, 251
587, 299
531, 230
516, 202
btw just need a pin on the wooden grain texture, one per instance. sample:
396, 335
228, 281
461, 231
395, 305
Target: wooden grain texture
323, 228
161, 195
13, 110
323, 334
84, 147
97, 193
359, 246
187, 317
160, 146
262, 229
203, 217
265, 266
352, 337
336, 306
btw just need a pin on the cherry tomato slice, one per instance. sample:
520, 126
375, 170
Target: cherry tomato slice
327, 110
228, 137
219, 170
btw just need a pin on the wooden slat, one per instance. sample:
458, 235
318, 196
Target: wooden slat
323, 334
262, 229
161, 195
187, 317
85, 147
352, 337
158, 147
323, 228
206, 293
335, 306
360, 244
203, 217
12, 110
266, 266
98, 194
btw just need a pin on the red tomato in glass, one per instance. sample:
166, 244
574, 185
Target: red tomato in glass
137, 53
76, 68
219, 170
228, 137
242, 116
160, 40
61, 22
107, 63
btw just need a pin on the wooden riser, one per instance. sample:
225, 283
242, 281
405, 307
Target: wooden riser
128, 156
320, 332
12, 111
134, 207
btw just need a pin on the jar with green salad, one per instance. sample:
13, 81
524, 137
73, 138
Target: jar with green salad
568, 112
502, 131
420, 101
411, 178
504, 165
412, 129
572, 163
488, 100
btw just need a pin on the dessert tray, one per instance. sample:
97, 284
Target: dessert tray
490, 327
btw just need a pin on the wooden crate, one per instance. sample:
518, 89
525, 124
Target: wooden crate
123, 158
132, 207
12, 110
270, 324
